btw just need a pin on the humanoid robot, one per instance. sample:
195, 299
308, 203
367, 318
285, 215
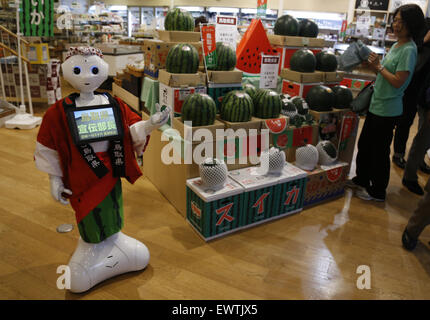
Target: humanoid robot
86, 143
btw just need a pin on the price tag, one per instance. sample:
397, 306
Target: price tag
269, 71
226, 30
209, 45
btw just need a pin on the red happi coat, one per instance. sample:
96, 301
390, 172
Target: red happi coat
88, 190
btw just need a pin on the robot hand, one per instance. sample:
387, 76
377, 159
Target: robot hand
58, 191
159, 118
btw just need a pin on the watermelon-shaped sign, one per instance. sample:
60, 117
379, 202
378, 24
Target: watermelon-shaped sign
253, 43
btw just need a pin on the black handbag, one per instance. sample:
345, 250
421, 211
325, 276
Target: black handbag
361, 103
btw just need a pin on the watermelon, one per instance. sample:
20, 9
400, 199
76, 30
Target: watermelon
309, 119
303, 60
182, 58
250, 89
288, 108
297, 121
200, 109
321, 98
301, 105
326, 61
343, 97
253, 43
286, 26
267, 104
308, 28
226, 57
237, 106
327, 152
179, 20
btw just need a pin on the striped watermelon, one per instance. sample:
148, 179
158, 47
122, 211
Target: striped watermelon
226, 57
179, 20
200, 109
267, 104
182, 58
250, 89
237, 106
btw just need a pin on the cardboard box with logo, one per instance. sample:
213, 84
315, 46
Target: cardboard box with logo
214, 214
175, 87
325, 183
296, 88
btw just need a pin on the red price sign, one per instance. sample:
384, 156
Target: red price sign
209, 45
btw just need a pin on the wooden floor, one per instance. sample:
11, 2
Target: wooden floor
311, 255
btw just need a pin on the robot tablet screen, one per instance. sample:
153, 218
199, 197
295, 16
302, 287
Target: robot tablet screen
95, 123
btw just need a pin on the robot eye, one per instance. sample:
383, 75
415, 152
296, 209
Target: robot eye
94, 70
77, 70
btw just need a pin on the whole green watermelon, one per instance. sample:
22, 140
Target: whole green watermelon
343, 97
267, 104
237, 106
308, 28
226, 57
320, 98
200, 109
303, 60
182, 58
178, 20
286, 26
250, 89
288, 108
326, 61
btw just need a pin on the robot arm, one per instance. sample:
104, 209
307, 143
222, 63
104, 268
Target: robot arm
47, 160
140, 130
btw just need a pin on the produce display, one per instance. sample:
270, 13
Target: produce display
326, 61
301, 105
182, 58
179, 20
199, 108
276, 160
303, 60
307, 157
226, 57
327, 152
267, 104
286, 26
213, 173
343, 97
308, 28
289, 109
321, 98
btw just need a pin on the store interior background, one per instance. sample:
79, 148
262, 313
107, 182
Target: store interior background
312, 255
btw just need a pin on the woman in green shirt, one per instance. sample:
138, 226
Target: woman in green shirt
393, 76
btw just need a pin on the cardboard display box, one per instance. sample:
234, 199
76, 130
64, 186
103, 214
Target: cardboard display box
225, 77
297, 89
214, 214
356, 84
302, 77
335, 76
348, 133
155, 55
218, 90
188, 132
300, 136
293, 41
174, 88
254, 123
126, 96
328, 124
325, 183
179, 36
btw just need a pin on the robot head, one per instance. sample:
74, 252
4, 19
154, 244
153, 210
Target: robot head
85, 69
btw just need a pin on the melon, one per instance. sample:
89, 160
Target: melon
297, 121
199, 108
301, 105
267, 104
226, 57
237, 106
253, 43
343, 97
308, 28
303, 60
288, 108
327, 152
213, 173
179, 20
286, 26
307, 157
326, 61
250, 89
320, 98
182, 58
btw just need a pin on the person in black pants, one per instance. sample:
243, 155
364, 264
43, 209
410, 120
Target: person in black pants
386, 106
410, 102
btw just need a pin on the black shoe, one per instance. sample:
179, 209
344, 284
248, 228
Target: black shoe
409, 243
399, 161
425, 168
413, 186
